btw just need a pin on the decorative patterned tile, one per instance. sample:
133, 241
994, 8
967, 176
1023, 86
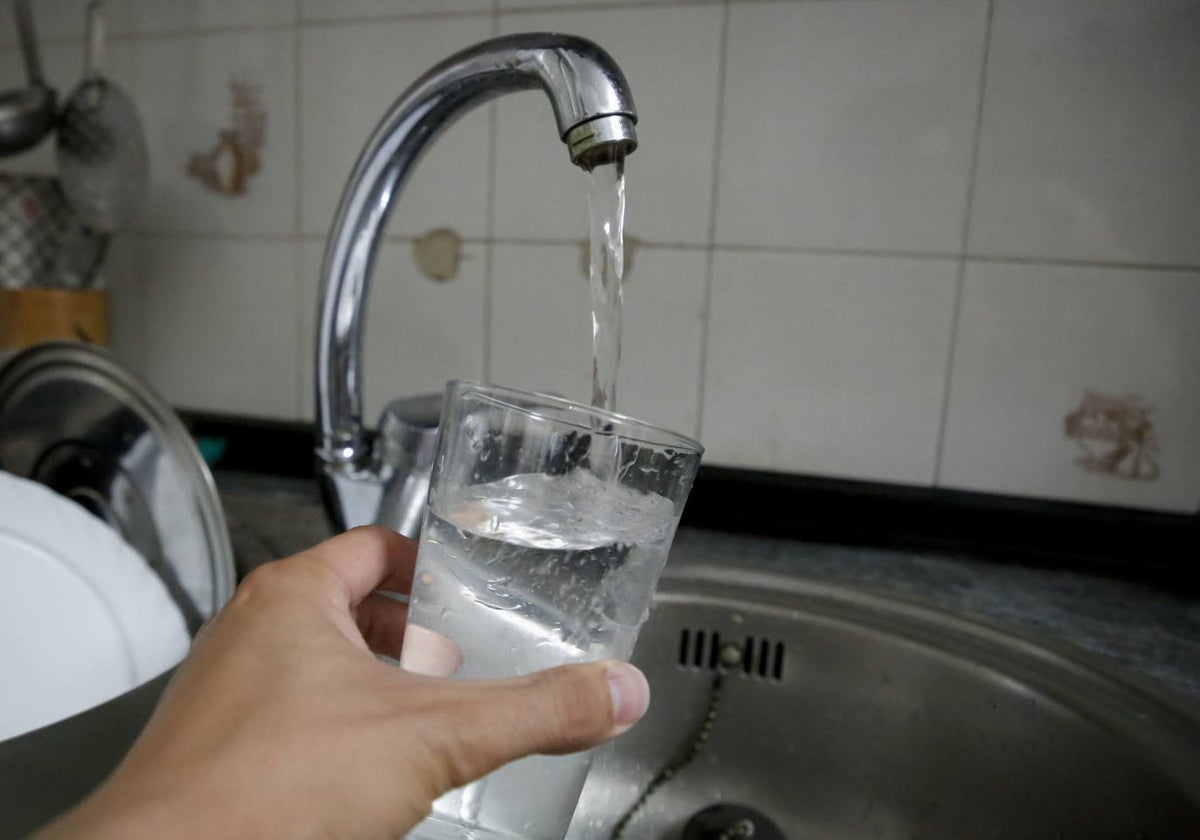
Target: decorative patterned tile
828, 365
220, 124
849, 125
542, 328
350, 75
1077, 383
419, 333
670, 56
220, 324
1088, 148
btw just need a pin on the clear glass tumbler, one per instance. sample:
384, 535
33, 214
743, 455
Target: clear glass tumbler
548, 525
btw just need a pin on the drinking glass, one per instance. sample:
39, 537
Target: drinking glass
548, 524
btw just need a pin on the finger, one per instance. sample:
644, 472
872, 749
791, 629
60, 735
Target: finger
368, 558
381, 621
565, 709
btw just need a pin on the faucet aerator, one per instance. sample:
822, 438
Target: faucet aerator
601, 140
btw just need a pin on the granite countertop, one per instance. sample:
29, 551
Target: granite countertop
1141, 626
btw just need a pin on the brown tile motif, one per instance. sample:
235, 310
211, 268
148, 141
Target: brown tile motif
227, 168
1115, 436
438, 253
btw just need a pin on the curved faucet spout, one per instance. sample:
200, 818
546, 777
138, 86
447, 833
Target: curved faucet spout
595, 114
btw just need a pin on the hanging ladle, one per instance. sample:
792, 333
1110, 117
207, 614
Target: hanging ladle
26, 114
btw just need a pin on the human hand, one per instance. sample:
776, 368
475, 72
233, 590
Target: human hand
281, 723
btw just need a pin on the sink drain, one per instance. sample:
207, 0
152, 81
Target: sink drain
706, 650
724, 658
730, 822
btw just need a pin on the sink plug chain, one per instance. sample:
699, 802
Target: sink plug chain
730, 656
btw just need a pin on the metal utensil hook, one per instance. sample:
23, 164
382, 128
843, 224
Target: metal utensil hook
27, 35
93, 58
26, 114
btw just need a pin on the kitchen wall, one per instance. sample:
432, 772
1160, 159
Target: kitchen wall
948, 242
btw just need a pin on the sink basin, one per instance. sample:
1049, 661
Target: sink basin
848, 715
844, 715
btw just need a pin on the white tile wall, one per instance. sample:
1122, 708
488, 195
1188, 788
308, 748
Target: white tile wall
1089, 145
671, 58
1033, 340
183, 92
356, 9
507, 5
833, 365
61, 19
541, 328
157, 16
419, 332
850, 315
220, 323
849, 125
349, 75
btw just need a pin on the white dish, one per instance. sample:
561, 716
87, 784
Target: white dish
83, 618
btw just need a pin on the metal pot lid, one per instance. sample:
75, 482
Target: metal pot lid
72, 419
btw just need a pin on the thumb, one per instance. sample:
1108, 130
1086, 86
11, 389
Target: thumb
562, 710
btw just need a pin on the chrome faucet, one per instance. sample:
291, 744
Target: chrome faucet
383, 476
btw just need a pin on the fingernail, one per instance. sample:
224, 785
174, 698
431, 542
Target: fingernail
428, 653
630, 694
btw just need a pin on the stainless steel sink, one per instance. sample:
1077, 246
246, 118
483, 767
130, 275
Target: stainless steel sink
844, 715
848, 715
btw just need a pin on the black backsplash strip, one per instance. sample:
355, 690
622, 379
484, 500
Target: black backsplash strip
1130, 543
274, 447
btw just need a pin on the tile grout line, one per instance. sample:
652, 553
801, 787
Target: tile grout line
297, 123
219, 236
386, 17
818, 250
1078, 263
297, 224
490, 221
195, 32
303, 360
783, 250
706, 302
300, 21
607, 5
297, 21
135, 241
972, 173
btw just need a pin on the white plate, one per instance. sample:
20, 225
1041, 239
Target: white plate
82, 616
